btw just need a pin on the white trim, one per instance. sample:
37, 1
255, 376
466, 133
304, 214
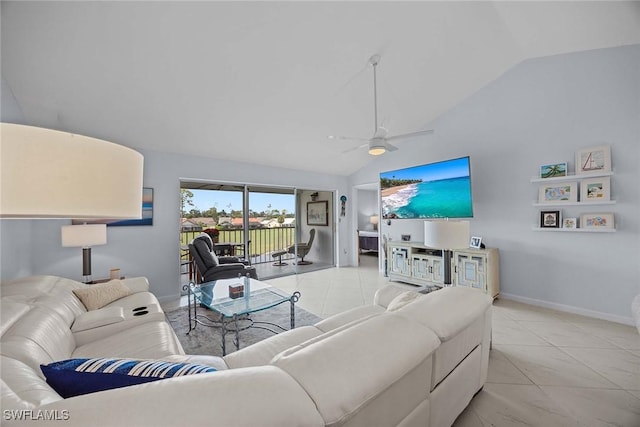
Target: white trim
570, 309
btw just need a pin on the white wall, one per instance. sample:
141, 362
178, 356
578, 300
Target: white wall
147, 251
543, 110
367, 205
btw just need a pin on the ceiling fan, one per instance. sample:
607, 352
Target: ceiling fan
379, 143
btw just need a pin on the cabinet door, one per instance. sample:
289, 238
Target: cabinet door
400, 261
471, 271
437, 270
421, 267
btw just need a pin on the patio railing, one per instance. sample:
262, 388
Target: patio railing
263, 241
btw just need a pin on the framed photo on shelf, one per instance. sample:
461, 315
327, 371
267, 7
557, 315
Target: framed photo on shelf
595, 189
570, 223
550, 219
476, 242
557, 193
318, 213
597, 220
593, 160
553, 170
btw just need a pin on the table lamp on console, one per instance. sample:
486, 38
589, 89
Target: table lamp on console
446, 235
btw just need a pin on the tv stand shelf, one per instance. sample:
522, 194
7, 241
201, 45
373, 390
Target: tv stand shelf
417, 264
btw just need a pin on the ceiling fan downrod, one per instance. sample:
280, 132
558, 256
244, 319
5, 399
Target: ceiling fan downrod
374, 60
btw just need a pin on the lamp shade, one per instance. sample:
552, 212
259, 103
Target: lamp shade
85, 235
374, 219
444, 234
51, 174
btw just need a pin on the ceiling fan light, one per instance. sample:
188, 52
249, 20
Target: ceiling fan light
376, 151
377, 147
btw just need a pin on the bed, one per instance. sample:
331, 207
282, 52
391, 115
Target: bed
367, 241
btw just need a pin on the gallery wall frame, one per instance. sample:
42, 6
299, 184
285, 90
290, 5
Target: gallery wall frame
550, 219
558, 193
595, 189
318, 213
553, 170
593, 160
597, 220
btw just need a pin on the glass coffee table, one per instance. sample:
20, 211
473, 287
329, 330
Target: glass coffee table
234, 314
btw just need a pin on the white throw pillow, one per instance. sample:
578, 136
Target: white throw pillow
97, 296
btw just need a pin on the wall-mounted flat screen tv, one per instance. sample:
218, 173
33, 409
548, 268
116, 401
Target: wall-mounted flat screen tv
434, 190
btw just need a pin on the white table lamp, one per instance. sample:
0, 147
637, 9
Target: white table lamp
374, 220
446, 235
84, 236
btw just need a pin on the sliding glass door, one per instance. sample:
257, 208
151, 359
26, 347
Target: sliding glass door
279, 230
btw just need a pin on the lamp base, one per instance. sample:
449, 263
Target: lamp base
86, 264
447, 255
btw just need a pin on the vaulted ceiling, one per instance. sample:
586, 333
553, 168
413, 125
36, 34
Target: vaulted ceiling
268, 82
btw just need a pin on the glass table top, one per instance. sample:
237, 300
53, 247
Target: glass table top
215, 295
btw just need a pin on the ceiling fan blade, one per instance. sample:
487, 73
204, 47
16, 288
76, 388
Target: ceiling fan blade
347, 138
391, 147
381, 132
355, 148
408, 135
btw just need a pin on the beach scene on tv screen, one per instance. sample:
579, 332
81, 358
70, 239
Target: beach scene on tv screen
435, 190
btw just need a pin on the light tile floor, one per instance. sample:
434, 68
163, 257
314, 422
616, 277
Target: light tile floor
546, 368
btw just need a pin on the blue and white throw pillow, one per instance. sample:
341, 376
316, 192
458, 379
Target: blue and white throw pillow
74, 377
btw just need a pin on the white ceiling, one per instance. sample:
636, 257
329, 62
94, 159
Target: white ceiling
267, 82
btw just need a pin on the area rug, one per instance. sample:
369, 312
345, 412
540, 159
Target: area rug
207, 340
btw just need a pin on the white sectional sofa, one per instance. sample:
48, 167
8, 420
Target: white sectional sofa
406, 360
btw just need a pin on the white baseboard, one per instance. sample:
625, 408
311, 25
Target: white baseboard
570, 309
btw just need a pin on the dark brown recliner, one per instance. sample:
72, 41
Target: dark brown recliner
210, 267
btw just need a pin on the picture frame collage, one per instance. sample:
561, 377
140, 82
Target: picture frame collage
590, 184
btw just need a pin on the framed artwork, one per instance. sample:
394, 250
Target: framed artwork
553, 170
593, 160
318, 213
147, 214
570, 223
595, 189
475, 242
597, 220
557, 193
550, 219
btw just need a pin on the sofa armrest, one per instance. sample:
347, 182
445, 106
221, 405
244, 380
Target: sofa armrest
96, 318
137, 284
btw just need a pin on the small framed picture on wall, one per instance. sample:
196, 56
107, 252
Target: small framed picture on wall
593, 160
553, 170
550, 219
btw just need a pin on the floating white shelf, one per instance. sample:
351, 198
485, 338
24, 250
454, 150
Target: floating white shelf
549, 205
571, 177
577, 230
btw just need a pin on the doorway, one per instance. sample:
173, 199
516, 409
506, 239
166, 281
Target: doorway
367, 205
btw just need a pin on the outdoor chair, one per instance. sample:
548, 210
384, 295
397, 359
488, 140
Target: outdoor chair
211, 267
302, 249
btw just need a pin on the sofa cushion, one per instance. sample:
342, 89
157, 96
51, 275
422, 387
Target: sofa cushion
150, 340
97, 296
449, 310
74, 377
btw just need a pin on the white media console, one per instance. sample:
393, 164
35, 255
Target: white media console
415, 263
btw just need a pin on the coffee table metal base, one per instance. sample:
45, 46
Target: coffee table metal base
236, 323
